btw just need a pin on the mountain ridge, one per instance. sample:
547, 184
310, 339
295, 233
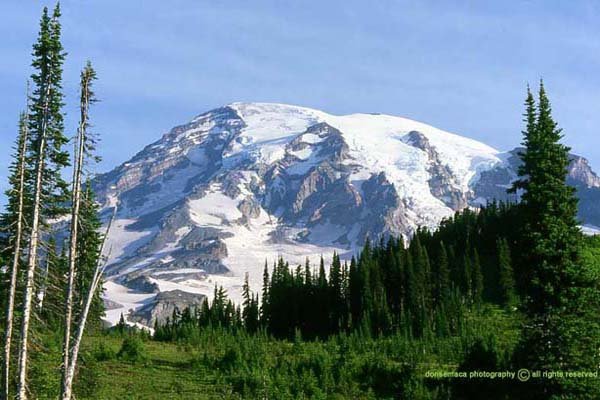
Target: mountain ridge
213, 198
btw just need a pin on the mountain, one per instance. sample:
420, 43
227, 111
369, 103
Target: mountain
214, 198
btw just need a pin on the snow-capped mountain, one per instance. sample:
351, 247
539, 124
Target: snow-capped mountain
214, 198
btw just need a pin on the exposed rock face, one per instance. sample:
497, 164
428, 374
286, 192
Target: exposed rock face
441, 182
215, 198
140, 283
163, 305
111, 305
581, 174
494, 182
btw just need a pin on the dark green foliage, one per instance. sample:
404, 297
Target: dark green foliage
103, 353
483, 355
344, 366
506, 277
442, 275
132, 349
88, 256
9, 217
251, 311
45, 116
477, 277
53, 280
560, 292
221, 313
386, 289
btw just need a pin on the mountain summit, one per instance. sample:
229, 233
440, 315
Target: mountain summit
241, 184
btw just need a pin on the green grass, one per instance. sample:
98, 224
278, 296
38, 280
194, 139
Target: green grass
222, 365
166, 373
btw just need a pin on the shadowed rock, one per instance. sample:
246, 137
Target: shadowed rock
163, 305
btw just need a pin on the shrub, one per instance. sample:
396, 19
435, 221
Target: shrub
103, 353
132, 350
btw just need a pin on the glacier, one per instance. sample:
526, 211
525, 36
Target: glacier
240, 185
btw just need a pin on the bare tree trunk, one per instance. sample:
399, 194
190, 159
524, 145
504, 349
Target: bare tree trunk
72, 249
32, 255
68, 385
77, 171
31, 265
16, 258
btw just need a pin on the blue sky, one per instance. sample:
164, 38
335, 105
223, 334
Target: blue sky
461, 66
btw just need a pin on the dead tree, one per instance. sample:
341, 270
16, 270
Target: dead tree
86, 98
10, 307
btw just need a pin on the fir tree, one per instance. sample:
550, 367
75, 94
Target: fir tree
53, 294
85, 244
505, 274
264, 310
336, 300
12, 229
89, 243
250, 307
477, 278
443, 275
560, 295
46, 126
49, 189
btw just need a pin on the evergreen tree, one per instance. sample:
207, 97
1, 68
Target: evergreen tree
264, 310
47, 156
336, 300
443, 275
505, 274
560, 294
11, 241
354, 293
477, 277
53, 294
466, 279
46, 126
18, 167
250, 307
89, 243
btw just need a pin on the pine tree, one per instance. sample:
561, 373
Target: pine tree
121, 325
336, 299
560, 295
354, 293
505, 274
46, 153
418, 282
11, 223
46, 125
250, 307
443, 275
466, 275
53, 294
264, 309
89, 246
86, 243
477, 277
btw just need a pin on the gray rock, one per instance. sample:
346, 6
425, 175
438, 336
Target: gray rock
111, 305
311, 189
163, 305
442, 182
140, 282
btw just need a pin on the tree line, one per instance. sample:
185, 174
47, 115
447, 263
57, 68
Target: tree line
420, 289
